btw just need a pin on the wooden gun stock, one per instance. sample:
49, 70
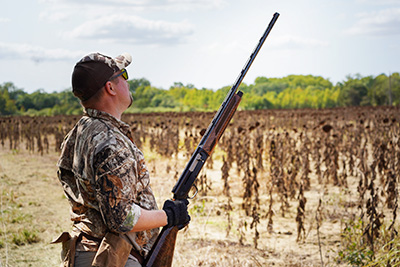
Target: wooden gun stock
162, 253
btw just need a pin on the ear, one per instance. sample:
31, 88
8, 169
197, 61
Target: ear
110, 89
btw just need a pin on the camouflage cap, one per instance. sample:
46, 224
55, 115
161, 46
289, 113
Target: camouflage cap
93, 71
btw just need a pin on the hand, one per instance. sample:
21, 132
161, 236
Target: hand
177, 212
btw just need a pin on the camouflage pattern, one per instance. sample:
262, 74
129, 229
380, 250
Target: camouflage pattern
106, 181
116, 64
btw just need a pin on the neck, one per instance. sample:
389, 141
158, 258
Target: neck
108, 107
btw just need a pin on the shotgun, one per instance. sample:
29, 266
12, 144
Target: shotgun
162, 251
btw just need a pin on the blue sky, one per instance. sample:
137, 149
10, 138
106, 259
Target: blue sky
202, 42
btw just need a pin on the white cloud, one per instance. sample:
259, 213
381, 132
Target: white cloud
36, 53
195, 4
96, 7
125, 20
383, 22
4, 20
55, 16
132, 28
380, 2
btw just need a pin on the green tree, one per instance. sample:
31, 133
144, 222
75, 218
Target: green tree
8, 106
143, 96
68, 104
255, 102
385, 90
136, 83
24, 102
394, 88
353, 92
292, 91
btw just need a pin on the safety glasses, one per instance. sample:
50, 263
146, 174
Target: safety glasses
123, 73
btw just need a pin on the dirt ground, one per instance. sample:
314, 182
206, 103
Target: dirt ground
32, 202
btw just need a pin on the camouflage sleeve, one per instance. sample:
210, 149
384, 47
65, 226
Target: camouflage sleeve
116, 188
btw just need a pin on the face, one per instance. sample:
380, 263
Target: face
122, 87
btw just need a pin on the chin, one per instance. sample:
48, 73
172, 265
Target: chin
130, 104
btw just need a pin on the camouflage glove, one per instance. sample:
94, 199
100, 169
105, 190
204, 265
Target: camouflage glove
177, 212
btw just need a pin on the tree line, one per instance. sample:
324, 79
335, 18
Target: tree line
290, 92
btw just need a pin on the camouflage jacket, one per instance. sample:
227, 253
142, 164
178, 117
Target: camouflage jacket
105, 179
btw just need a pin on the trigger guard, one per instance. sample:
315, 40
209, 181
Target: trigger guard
195, 194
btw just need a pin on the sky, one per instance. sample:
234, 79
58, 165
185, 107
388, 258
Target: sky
205, 43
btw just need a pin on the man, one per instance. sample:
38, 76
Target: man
104, 175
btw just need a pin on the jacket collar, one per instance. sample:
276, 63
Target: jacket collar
94, 113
